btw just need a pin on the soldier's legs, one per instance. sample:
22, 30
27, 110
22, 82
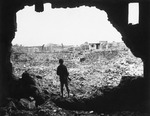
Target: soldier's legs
67, 88
62, 85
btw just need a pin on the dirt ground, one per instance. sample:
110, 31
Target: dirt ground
89, 71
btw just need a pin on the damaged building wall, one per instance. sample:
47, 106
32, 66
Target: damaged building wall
7, 33
136, 37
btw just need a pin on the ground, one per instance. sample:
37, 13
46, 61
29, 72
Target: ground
91, 74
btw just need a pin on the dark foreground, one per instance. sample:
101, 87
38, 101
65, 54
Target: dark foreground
129, 98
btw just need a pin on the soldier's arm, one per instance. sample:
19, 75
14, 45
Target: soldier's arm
67, 71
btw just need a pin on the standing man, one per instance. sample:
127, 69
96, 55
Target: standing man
63, 74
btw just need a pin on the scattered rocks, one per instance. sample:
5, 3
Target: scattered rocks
26, 104
90, 72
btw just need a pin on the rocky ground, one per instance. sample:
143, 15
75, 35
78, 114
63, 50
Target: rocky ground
98, 69
95, 79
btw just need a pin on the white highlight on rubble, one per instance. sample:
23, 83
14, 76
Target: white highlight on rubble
70, 26
133, 13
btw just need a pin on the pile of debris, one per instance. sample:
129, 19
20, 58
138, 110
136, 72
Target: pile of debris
94, 75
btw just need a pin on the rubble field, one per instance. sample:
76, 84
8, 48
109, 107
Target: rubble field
95, 78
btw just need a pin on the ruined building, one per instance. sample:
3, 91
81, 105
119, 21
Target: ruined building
136, 37
98, 46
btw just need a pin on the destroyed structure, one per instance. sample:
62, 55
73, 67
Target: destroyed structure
136, 37
98, 46
51, 48
107, 46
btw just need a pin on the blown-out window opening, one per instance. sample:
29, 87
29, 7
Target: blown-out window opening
133, 13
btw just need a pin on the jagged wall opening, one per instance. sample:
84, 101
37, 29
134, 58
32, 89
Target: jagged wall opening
23, 66
117, 17
105, 76
91, 25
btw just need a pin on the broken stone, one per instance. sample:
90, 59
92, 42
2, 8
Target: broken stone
26, 104
54, 110
91, 112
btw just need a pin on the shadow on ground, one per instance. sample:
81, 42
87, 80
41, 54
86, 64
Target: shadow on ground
130, 95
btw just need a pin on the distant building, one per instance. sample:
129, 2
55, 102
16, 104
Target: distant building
102, 45
85, 46
33, 49
113, 45
94, 46
117, 46
55, 48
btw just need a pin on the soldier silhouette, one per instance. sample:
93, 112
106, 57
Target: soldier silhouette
63, 75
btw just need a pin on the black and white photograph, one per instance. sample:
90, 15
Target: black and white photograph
74, 58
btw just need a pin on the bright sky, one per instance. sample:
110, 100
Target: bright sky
71, 26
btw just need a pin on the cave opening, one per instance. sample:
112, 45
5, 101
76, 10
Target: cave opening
42, 58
